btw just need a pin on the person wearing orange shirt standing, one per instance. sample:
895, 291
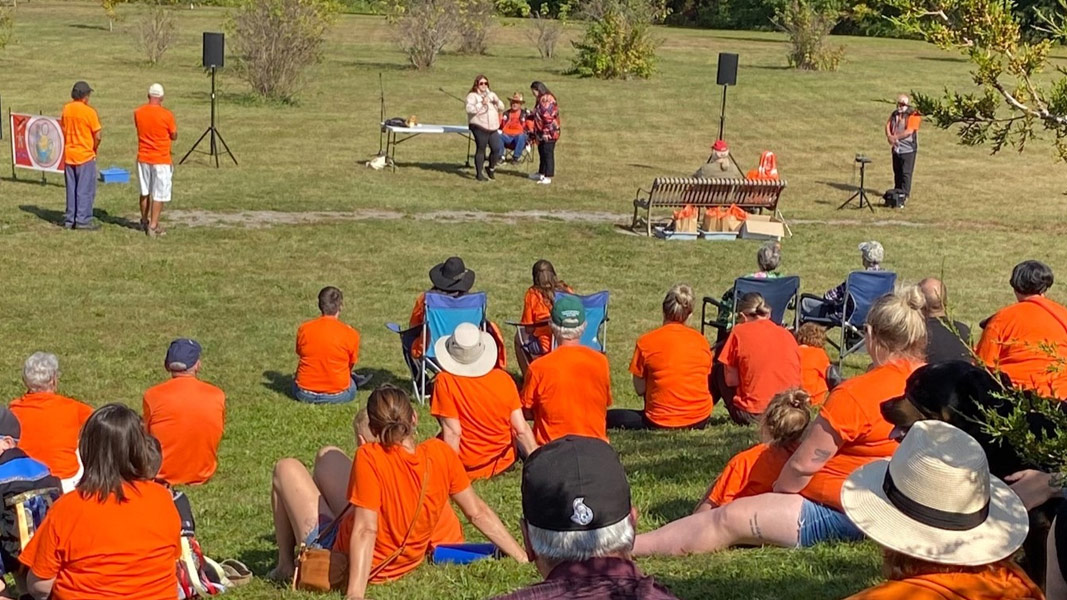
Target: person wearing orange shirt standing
328, 349
670, 369
568, 391
477, 404
50, 423
537, 308
187, 416
1026, 340
156, 129
81, 139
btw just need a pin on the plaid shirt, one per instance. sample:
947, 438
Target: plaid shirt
594, 579
837, 295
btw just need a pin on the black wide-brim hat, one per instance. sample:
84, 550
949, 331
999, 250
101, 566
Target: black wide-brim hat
452, 276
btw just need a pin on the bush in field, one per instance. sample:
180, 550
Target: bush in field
808, 25
156, 33
7, 26
547, 31
618, 41
111, 10
476, 19
424, 28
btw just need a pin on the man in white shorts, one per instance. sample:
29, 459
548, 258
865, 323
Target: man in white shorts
156, 129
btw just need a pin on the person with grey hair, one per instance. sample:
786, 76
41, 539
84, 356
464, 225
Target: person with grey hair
51, 423
568, 390
902, 133
833, 301
768, 257
578, 525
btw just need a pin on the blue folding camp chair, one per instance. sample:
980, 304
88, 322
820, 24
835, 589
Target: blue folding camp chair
443, 314
780, 293
862, 288
596, 319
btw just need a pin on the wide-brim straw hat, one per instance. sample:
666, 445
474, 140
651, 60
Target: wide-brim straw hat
517, 97
934, 500
468, 352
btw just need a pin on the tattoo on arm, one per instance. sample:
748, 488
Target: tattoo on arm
753, 526
823, 455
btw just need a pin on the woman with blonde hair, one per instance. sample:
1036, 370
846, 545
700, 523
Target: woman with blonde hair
760, 358
484, 108
670, 369
805, 507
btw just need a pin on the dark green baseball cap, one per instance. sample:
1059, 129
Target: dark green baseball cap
567, 311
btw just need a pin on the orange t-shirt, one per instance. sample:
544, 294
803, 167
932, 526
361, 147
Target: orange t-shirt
483, 406
1012, 343
187, 416
675, 361
109, 549
51, 425
749, 473
388, 481
80, 123
767, 361
155, 125
569, 392
814, 364
853, 411
328, 349
1002, 581
536, 309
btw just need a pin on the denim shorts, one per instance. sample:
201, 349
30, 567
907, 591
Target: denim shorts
319, 398
821, 524
326, 542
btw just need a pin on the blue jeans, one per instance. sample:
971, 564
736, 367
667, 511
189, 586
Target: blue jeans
821, 524
320, 398
81, 192
519, 142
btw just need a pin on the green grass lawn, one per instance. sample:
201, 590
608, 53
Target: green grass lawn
250, 246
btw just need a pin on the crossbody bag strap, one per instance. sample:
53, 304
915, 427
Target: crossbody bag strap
323, 533
418, 508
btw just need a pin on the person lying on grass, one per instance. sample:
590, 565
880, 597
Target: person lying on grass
849, 432
396, 485
754, 471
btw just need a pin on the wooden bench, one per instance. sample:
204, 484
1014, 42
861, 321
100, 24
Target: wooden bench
676, 192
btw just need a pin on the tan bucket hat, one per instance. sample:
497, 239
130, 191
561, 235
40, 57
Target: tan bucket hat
468, 352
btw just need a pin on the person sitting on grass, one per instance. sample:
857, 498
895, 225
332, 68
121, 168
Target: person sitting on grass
478, 405
754, 471
537, 308
947, 528
805, 507
719, 165
328, 349
833, 301
50, 422
305, 504
118, 534
670, 369
569, 390
578, 525
187, 416
814, 362
759, 359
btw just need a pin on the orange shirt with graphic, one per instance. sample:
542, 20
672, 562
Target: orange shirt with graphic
568, 391
105, 550
814, 365
767, 362
388, 481
749, 473
853, 411
483, 407
51, 425
675, 361
80, 123
187, 416
536, 309
328, 349
155, 125
1013, 341
1001, 581
418, 318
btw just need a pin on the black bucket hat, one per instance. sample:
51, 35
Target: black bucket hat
452, 276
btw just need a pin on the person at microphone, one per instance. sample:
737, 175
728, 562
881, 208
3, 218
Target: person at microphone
483, 115
901, 131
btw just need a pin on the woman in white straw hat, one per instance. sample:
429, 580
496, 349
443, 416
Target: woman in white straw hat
947, 528
477, 404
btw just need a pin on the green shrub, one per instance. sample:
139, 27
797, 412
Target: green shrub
7, 26
156, 32
618, 42
475, 21
808, 25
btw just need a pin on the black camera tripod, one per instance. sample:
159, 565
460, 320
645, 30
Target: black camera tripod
860, 193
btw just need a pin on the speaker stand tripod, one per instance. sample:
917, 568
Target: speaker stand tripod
211, 131
860, 193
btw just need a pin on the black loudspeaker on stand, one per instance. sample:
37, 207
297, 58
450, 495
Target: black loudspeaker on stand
726, 76
214, 58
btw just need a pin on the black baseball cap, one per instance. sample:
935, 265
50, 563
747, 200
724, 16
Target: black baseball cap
574, 483
9, 424
81, 90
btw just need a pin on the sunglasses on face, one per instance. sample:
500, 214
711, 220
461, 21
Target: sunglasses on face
483, 83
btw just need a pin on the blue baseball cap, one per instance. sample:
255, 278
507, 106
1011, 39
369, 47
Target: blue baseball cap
182, 355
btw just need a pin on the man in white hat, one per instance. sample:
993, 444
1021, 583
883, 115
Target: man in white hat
948, 529
477, 404
156, 129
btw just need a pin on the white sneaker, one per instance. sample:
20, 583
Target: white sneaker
544, 180
536, 176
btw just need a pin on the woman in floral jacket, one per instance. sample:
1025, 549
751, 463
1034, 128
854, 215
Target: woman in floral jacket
546, 131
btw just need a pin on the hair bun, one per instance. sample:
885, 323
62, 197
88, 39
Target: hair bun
913, 297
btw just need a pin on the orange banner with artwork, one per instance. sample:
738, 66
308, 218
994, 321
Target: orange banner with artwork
36, 143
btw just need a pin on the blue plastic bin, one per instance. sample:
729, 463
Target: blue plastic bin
114, 175
462, 554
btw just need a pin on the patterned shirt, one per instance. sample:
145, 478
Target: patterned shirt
594, 579
837, 295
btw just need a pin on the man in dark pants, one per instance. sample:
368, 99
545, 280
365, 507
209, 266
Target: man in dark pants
81, 139
901, 131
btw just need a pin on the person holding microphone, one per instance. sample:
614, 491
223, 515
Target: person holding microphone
483, 114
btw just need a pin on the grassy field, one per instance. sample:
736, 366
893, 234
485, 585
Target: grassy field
249, 246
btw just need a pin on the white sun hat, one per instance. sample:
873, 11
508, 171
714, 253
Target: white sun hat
468, 352
934, 500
